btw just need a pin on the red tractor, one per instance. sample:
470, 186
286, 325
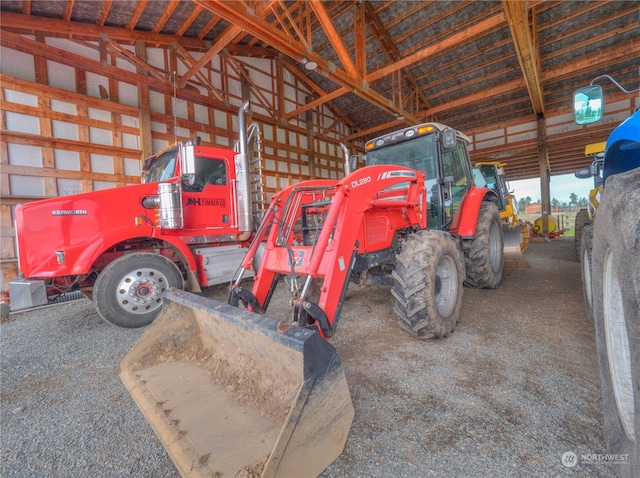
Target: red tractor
412, 219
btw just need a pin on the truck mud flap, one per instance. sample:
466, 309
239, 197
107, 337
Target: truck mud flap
233, 393
516, 241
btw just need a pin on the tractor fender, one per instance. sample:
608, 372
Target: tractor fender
465, 221
623, 147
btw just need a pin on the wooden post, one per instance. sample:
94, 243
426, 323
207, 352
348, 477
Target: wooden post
144, 112
311, 140
543, 162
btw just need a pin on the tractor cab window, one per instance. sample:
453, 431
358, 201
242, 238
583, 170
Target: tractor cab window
418, 153
455, 166
208, 172
162, 168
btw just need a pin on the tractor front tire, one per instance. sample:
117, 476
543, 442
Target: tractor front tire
428, 284
128, 291
484, 253
615, 272
581, 218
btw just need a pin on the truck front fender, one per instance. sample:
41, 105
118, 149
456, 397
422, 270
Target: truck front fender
466, 218
90, 254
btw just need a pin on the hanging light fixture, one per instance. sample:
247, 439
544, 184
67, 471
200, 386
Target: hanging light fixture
309, 65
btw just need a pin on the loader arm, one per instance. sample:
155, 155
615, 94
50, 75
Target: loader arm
314, 231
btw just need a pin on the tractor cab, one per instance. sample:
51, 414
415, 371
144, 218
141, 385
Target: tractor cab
438, 151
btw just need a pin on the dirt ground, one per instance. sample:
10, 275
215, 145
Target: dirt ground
515, 387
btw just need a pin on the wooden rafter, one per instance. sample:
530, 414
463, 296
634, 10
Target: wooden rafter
165, 16
238, 13
223, 40
517, 14
189, 61
190, 19
283, 14
56, 27
334, 38
387, 43
68, 10
104, 12
137, 13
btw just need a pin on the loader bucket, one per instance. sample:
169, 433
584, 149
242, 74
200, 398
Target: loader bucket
516, 241
231, 393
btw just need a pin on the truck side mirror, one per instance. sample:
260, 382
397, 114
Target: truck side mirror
587, 104
188, 163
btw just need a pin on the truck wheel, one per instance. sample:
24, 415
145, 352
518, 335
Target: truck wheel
585, 266
581, 217
128, 292
615, 274
484, 254
428, 284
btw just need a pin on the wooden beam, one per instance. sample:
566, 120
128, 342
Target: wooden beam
52, 27
239, 13
334, 39
543, 163
360, 34
454, 40
104, 12
165, 16
137, 13
195, 13
517, 15
68, 10
222, 41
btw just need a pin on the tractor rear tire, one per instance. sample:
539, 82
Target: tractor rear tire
128, 292
428, 284
615, 272
586, 246
484, 253
582, 217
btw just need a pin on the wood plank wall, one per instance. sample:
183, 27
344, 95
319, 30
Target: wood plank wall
80, 116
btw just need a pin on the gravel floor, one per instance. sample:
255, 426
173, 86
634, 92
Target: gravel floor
515, 387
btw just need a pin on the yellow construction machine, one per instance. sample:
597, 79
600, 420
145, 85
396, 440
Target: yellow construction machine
586, 215
516, 231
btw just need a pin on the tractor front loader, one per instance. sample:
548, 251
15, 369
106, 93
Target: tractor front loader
233, 392
230, 393
320, 235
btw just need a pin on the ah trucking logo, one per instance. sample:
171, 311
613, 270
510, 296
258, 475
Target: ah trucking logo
211, 202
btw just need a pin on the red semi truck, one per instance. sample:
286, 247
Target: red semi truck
187, 225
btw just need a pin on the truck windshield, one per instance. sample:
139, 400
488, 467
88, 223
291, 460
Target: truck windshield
417, 153
163, 168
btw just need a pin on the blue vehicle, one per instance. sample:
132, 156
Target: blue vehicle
611, 280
